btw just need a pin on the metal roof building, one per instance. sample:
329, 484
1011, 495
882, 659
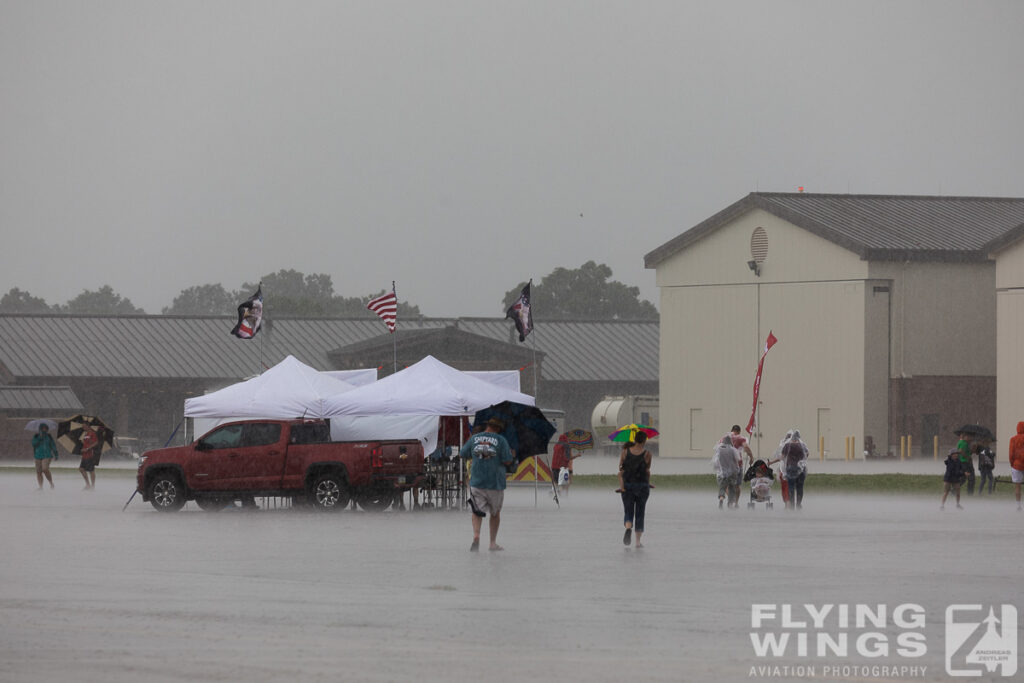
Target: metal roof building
141, 368
877, 227
884, 308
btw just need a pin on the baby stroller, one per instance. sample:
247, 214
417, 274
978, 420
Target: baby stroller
761, 478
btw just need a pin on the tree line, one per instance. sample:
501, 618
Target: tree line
584, 293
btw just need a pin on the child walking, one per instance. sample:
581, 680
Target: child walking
953, 477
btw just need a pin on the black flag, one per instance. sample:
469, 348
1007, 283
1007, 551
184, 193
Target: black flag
250, 316
521, 314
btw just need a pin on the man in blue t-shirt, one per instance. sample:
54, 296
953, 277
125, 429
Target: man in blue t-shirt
490, 454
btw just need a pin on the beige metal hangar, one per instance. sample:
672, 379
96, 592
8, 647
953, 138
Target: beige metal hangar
1009, 257
884, 308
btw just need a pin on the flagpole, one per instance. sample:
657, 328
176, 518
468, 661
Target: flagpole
394, 337
533, 345
757, 407
259, 289
536, 391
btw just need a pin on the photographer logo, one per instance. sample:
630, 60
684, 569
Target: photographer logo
978, 642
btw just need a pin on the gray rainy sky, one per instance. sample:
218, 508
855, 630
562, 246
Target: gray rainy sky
461, 147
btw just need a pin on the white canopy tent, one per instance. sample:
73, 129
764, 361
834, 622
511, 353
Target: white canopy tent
509, 379
428, 387
292, 389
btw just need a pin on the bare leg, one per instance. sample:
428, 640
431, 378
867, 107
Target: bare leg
48, 478
639, 535
494, 523
477, 523
85, 475
92, 479
39, 478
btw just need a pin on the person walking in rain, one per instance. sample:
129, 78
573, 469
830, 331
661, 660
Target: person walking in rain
953, 478
967, 451
44, 449
634, 486
728, 465
740, 442
794, 459
90, 456
490, 454
1017, 462
986, 464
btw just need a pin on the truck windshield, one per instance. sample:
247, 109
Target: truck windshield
229, 436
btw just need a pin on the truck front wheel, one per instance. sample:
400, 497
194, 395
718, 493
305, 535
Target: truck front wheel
329, 492
166, 492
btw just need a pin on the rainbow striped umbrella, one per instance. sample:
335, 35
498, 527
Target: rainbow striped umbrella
580, 439
629, 432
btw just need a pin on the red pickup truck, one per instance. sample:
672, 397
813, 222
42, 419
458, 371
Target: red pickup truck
290, 458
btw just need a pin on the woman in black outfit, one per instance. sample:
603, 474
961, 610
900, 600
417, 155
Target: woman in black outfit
634, 485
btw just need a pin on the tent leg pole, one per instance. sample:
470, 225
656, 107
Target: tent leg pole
536, 482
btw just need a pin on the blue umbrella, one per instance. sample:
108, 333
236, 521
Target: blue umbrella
526, 429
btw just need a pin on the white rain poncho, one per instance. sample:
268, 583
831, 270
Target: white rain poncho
727, 460
794, 455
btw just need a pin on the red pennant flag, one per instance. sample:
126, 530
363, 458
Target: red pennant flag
769, 343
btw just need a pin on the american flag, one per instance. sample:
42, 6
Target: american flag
386, 307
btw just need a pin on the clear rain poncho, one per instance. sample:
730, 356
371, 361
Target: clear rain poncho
794, 454
727, 460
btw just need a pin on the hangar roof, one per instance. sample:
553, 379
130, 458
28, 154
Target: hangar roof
878, 227
179, 347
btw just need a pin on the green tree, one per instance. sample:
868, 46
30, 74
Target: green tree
17, 301
104, 301
291, 293
210, 299
585, 293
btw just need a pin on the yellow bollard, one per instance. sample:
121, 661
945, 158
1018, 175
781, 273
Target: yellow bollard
903, 447
935, 447
821, 447
853, 448
846, 453
910, 446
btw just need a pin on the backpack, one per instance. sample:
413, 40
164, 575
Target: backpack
985, 460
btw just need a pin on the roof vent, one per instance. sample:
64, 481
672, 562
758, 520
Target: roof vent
759, 245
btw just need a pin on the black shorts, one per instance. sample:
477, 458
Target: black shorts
88, 464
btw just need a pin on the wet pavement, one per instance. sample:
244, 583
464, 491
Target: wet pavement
88, 593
